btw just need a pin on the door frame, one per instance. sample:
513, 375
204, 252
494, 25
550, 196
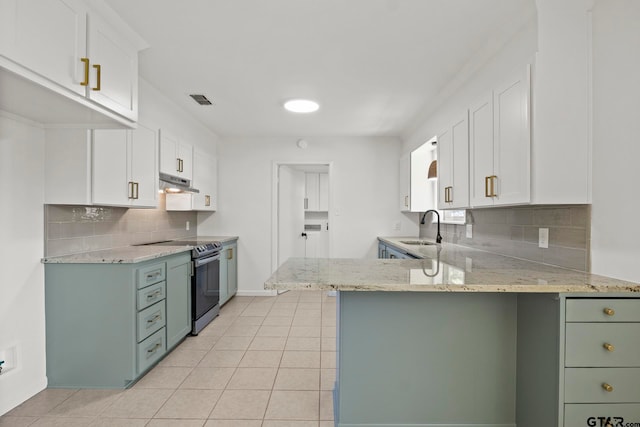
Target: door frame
275, 235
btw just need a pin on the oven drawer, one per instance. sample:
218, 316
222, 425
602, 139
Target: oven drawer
602, 345
602, 385
151, 350
151, 319
151, 274
581, 415
151, 295
603, 310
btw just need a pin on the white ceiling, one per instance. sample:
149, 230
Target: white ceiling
373, 65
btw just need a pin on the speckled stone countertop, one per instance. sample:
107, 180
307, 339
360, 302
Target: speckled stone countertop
133, 254
443, 268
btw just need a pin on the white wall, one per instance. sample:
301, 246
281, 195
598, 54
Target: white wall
615, 233
21, 274
363, 197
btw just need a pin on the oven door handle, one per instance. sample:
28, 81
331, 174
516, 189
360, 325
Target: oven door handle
202, 261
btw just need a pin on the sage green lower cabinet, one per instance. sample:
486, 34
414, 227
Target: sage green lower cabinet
228, 271
487, 359
107, 324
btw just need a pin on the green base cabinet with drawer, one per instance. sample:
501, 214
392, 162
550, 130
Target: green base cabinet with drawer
228, 271
107, 324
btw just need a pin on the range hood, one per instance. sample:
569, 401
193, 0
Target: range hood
174, 184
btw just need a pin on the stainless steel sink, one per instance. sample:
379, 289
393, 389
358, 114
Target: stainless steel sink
417, 242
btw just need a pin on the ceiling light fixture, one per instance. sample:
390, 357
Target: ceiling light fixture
301, 106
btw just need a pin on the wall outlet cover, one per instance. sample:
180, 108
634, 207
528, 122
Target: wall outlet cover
543, 237
187, 226
396, 226
469, 229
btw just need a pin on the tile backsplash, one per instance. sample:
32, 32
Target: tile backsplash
75, 229
513, 231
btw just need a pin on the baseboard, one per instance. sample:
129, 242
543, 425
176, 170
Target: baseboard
257, 293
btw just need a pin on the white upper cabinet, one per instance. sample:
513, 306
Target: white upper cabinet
405, 182
205, 179
125, 171
500, 144
316, 197
176, 157
81, 67
453, 165
416, 190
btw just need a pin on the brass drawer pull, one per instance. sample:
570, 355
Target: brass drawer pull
607, 387
608, 347
609, 311
85, 82
154, 348
154, 319
98, 76
154, 294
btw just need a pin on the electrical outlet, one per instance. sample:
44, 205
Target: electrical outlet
469, 229
396, 226
187, 226
543, 237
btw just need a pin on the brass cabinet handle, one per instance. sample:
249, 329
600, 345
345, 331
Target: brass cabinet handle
155, 294
98, 76
406, 201
609, 311
154, 319
177, 165
207, 200
137, 190
230, 254
130, 190
492, 179
448, 194
181, 165
85, 82
486, 186
154, 348
608, 347
607, 387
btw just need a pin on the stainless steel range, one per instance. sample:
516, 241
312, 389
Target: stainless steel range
205, 282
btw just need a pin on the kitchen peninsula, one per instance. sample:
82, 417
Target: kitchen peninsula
466, 337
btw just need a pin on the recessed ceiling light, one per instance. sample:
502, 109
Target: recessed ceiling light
301, 106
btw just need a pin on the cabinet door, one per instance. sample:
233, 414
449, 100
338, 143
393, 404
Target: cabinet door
109, 184
512, 140
445, 168
232, 270
459, 194
178, 299
224, 276
481, 151
323, 202
143, 155
312, 192
204, 179
168, 151
185, 154
47, 37
114, 69
405, 171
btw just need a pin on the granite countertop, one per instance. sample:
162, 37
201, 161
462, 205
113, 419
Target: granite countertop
133, 254
443, 268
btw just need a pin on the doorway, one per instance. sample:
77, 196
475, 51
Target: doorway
301, 211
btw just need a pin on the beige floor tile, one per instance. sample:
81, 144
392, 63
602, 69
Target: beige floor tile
183, 356
222, 359
308, 313
284, 305
236, 330
268, 343
305, 331
9, 421
273, 331
176, 423
277, 320
208, 378
119, 422
232, 343
328, 344
327, 379
248, 321
232, 423
328, 359
215, 328
189, 404
303, 344
307, 321
300, 359
252, 379
282, 312
261, 359
199, 343
297, 379
138, 403
329, 331
327, 424
255, 311
274, 423
86, 403
164, 377
42, 403
241, 405
309, 306
62, 422
329, 321
293, 405
326, 405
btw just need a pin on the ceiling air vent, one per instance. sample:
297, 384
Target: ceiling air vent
201, 99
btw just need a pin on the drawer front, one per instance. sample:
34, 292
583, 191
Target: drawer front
151, 319
586, 345
151, 274
623, 414
602, 385
151, 295
603, 310
151, 350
